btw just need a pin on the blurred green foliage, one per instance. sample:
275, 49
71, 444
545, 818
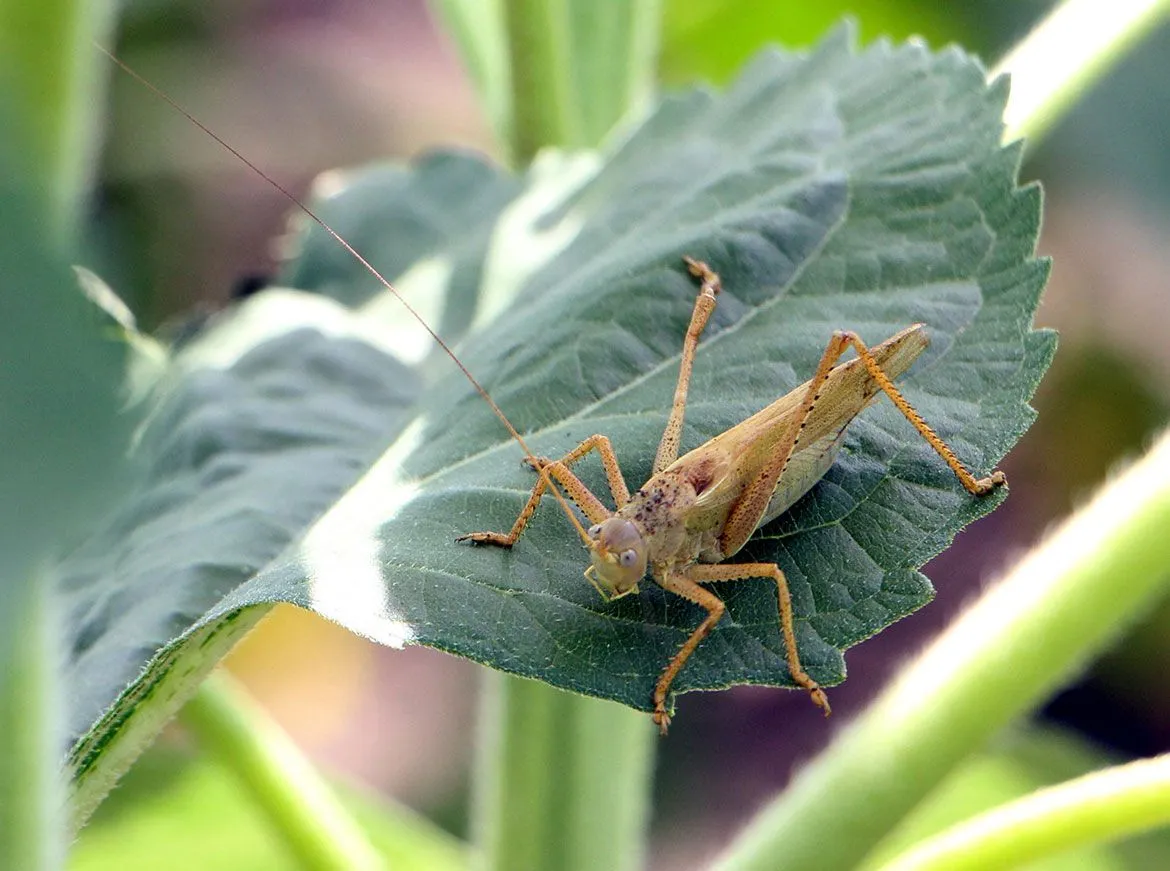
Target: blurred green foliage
186, 813
711, 39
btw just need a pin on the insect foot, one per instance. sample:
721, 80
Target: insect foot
499, 539
661, 719
985, 485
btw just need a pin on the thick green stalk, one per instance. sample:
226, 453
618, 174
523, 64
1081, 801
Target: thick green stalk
1065, 603
51, 81
539, 58
615, 56
1100, 807
562, 781
559, 73
31, 793
300, 805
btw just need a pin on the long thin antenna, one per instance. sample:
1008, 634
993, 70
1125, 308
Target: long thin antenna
369, 267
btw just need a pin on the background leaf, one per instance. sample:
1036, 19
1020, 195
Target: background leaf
1019, 762
839, 189
712, 39
62, 446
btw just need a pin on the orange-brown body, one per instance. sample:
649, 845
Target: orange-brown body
686, 512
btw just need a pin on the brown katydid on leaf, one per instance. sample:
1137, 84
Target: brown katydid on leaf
292, 457
700, 509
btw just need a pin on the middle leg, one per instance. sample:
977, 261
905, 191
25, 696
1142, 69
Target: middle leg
686, 584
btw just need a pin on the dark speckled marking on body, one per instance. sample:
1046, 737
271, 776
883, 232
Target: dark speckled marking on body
656, 508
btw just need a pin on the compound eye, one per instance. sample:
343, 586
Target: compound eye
595, 530
629, 558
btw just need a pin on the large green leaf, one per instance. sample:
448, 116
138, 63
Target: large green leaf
839, 189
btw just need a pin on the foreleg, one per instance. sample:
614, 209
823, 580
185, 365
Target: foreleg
573, 486
709, 287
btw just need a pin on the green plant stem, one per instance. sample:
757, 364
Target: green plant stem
51, 81
539, 59
31, 793
1102, 806
563, 781
1066, 54
1063, 604
615, 64
283, 783
575, 67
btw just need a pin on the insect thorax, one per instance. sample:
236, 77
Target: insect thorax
659, 510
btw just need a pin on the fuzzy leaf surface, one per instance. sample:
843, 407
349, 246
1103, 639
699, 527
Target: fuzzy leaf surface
851, 189
838, 190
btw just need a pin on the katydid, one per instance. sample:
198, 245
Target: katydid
699, 509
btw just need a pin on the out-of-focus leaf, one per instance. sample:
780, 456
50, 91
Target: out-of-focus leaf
711, 39
254, 434
62, 442
180, 814
441, 209
1020, 764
